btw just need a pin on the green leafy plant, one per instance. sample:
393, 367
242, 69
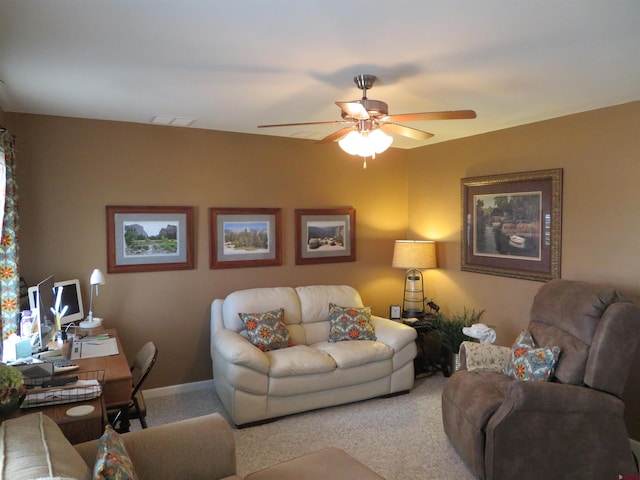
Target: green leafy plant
450, 327
11, 384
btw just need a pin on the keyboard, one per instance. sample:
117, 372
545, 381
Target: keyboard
61, 364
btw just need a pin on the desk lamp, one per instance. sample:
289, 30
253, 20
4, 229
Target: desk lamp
96, 279
414, 255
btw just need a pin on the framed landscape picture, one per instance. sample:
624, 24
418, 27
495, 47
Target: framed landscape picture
511, 224
149, 238
245, 237
325, 235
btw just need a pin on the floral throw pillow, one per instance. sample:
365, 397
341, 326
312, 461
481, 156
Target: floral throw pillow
350, 323
267, 330
485, 357
112, 459
530, 363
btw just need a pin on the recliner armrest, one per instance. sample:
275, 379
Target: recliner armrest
393, 334
237, 350
200, 447
528, 435
552, 397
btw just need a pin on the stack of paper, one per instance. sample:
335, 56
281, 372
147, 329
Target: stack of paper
76, 392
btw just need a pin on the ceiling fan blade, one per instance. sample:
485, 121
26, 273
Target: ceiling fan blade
297, 124
335, 135
406, 131
415, 117
354, 110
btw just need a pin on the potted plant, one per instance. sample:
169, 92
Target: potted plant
450, 329
11, 389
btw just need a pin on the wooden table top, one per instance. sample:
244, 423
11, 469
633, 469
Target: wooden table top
118, 381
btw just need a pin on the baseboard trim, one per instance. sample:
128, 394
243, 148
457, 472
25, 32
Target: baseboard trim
181, 388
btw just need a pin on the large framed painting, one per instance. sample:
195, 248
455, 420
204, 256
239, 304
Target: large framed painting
149, 238
245, 237
325, 235
511, 224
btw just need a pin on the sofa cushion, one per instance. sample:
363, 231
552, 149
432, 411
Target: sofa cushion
354, 354
315, 299
33, 446
260, 300
267, 330
112, 460
299, 360
350, 323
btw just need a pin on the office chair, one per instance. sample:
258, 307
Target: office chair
136, 408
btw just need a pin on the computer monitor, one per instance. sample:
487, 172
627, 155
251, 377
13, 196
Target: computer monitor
46, 300
71, 298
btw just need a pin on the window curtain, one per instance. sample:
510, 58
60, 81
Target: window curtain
9, 275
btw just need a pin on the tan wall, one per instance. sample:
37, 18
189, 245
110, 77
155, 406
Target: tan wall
600, 154
71, 168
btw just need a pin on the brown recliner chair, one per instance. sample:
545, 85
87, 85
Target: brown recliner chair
570, 427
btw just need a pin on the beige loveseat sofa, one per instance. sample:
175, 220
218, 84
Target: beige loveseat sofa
254, 385
200, 448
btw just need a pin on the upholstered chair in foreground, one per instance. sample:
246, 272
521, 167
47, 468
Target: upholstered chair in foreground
572, 424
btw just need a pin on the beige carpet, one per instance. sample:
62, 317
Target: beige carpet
401, 438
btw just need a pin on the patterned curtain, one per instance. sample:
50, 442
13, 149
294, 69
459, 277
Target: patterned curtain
9, 275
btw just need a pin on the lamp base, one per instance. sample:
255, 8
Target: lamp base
94, 323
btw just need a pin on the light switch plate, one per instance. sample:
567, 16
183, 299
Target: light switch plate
395, 312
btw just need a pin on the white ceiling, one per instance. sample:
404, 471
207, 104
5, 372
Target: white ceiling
234, 64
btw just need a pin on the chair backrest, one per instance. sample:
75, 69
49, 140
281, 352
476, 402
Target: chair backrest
142, 365
595, 327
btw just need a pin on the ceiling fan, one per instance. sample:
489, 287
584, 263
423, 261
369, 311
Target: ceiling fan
363, 118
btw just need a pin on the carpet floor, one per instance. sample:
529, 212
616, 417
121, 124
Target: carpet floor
401, 437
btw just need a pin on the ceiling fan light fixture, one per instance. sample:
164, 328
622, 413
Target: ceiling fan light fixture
366, 144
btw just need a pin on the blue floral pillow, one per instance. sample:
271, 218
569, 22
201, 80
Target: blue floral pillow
530, 363
112, 459
350, 323
267, 330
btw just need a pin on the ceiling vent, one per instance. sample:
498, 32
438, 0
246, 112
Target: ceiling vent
172, 120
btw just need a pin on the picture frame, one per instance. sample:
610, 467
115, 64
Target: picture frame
325, 235
245, 237
149, 238
511, 224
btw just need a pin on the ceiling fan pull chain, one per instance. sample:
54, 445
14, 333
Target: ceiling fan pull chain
364, 161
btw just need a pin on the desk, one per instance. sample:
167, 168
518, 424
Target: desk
116, 392
117, 375
76, 429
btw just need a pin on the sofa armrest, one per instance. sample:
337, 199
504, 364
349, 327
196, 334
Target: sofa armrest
200, 447
393, 334
237, 350
483, 356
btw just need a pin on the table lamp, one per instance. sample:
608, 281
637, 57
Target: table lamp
414, 255
96, 279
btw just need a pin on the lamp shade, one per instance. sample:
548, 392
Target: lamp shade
417, 254
366, 144
97, 278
